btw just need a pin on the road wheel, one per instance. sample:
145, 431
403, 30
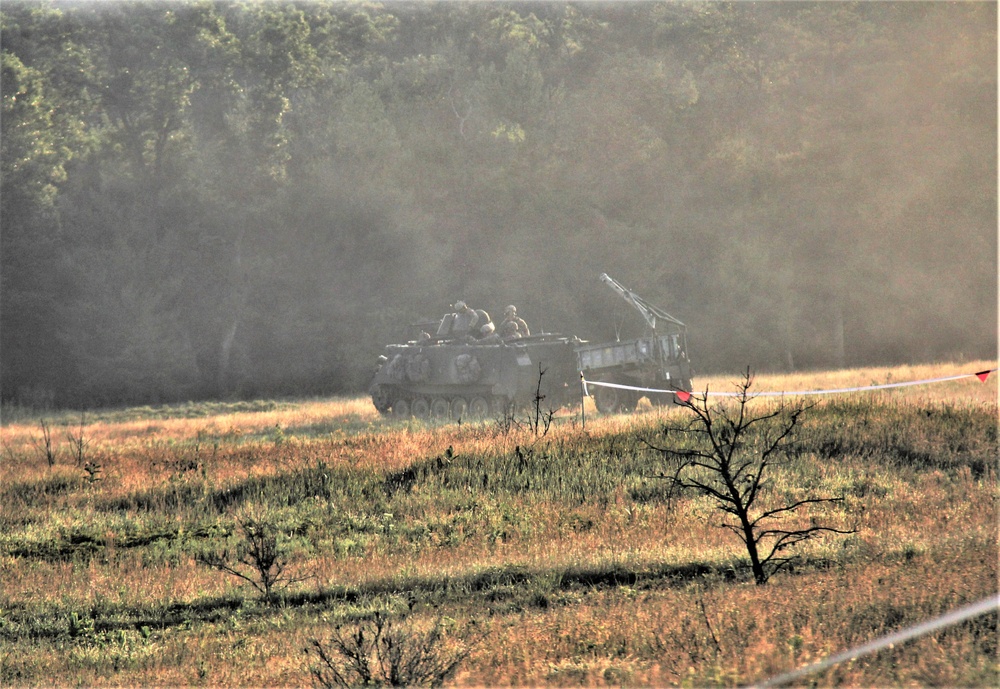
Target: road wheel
479, 408
401, 409
440, 408
459, 408
420, 408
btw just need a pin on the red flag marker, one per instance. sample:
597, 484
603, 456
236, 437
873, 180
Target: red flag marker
983, 375
683, 395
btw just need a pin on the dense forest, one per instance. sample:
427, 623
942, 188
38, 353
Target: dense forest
224, 199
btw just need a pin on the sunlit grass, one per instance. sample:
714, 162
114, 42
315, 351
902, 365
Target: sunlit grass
565, 539
966, 390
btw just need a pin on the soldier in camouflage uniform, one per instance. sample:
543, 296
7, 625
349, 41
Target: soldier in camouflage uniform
486, 327
510, 316
508, 331
465, 320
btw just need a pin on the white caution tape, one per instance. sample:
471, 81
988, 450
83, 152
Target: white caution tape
982, 607
982, 375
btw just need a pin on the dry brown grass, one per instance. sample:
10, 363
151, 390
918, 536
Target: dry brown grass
926, 543
965, 391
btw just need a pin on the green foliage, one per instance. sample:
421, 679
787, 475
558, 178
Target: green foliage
944, 436
30, 149
196, 194
80, 626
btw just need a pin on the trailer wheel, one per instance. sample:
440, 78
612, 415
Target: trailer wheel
661, 399
613, 400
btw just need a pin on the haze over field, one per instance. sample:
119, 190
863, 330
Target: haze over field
239, 199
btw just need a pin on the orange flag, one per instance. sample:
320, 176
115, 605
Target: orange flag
683, 395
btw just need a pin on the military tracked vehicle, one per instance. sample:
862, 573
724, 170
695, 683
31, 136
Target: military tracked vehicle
459, 376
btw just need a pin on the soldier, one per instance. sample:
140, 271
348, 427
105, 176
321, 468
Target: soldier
486, 328
510, 316
509, 331
465, 320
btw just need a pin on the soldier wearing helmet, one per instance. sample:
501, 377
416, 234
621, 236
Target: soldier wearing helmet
486, 327
464, 321
511, 319
508, 331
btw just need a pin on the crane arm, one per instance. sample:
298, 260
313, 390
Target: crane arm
647, 310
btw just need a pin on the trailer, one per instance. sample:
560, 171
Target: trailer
657, 360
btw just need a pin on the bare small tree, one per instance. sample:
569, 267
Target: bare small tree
537, 420
726, 453
258, 558
540, 421
44, 444
383, 654
78, 443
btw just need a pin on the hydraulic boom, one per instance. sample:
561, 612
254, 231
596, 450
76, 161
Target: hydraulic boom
648, 311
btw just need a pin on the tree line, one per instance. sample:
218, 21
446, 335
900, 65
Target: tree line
217, 198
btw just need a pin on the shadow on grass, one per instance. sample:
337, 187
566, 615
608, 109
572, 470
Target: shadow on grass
498, 590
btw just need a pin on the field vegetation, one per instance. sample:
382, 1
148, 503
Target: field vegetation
522, 556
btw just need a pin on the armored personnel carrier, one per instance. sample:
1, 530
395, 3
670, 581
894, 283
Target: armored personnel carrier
459, 376
466, 378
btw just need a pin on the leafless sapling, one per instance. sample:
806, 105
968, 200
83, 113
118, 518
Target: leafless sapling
540, 421
78, 443
379, 652
44, 444
537, 420
726, 453
258, 559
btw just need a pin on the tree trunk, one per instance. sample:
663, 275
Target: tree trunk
225, 355
838, 332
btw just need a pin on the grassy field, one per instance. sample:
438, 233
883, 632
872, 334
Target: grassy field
571, 558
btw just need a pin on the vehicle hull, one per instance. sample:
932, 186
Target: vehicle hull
471, 378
